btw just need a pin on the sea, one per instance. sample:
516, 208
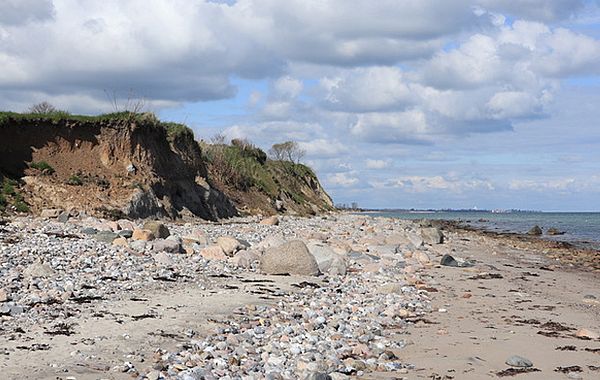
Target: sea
581, 229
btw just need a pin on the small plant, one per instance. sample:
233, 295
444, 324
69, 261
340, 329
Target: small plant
75, 180
8, 187
21, 206
2, 202
42, 166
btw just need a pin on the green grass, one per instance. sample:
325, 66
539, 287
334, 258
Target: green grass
42, 166
21, 206
8, 187
75, 180
9, 195
176, 130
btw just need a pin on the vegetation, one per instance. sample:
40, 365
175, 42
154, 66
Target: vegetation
287, 151
176, 131
75, 180
10, 195
42, 166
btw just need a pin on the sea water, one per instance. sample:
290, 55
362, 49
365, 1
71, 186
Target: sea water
580, 228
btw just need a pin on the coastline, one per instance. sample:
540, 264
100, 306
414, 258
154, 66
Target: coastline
396, 313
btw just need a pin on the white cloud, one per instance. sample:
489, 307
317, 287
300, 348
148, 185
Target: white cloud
323, 148
397, 127
377, 164
421, 184
342, 179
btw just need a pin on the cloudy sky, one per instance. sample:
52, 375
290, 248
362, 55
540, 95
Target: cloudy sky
398, 103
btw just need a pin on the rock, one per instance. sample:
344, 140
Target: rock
535, 231
213, 252
391, 288
270, 221
449, 261
51, 213
166, 245
318, 376
279, 205
290, 258
327, 260
195, 237
64, 217
125, 224
415, 240
3, 295
396, 239
245, 258
519, 361
422, 257
144, 204
38, 269
138, 245
163, 259
106, 236
89, 231
229, 245
554, 231
144, 235
125, 233
120, 241
432, 235
158, 229
268, 242
587, 334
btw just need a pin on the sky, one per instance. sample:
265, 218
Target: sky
493, 104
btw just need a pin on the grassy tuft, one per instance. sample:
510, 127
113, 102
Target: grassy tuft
42, 166
75, 180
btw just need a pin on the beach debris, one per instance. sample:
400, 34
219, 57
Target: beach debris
516, 371
486, 276
572, 368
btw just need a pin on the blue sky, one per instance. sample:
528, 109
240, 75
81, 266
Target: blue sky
398, 103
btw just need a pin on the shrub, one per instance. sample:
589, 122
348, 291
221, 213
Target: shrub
75, 180
43, 108
42, 166
8, 187
21, 206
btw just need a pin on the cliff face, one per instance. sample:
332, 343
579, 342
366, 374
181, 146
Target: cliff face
134, 166
113, 166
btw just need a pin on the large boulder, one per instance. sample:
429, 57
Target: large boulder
213, 252
245, 258
432, 235
290, 258
269, 242
230, 245
158, 229
166, 245
327, 260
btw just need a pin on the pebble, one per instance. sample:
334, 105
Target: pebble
519, 361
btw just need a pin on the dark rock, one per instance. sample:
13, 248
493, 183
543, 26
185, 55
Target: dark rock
125, 233
89, 231
449, 261
106, 236
535, 231
554, 231
432, 235
158, 229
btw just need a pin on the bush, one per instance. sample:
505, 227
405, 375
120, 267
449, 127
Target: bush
43, 108
42, 166
75, 180
21, 206
8, 187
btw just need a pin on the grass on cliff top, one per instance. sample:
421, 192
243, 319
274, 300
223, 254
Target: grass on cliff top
173, 130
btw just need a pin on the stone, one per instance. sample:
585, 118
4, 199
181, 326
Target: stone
396, 239
125, 224
422, 257
587, 334
144, 235
138, 245
448, 261
535, 231
554, 231
432, 235
327, 260
3, 295
120, 241
125, 233
64, 217
519, 361
290, 258
195, 237
106, 236
268, 242
270, 221
163, 259
213, 252
89, 231
38, 269
50, 213
317, 376
157, 228
245, 258
415, 240
229, 245
166, 245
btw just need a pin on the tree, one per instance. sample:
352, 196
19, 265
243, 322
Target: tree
287, 151
43, 108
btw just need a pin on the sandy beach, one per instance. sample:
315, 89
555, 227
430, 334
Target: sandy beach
93, 299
